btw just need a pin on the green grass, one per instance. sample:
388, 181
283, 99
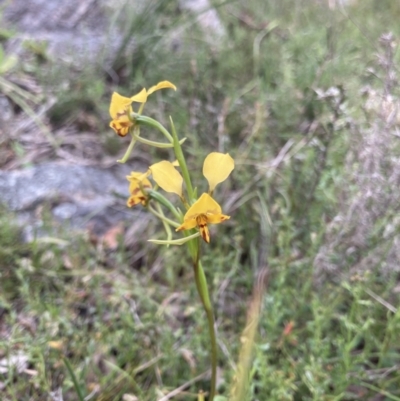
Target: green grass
126, 328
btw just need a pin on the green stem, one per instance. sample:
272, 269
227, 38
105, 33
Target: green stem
179, 241
182, 162
144, 120
150, 122
153, 143
130, 147
156, 144
201, 284
164, 201
161, 216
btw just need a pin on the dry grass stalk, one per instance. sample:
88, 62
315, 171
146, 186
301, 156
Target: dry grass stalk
240, 386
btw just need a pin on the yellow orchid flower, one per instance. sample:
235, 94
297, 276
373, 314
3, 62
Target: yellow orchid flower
204, 211
216, 168
137, 183
120, 107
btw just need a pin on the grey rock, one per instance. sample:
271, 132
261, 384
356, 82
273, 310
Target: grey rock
75, 31
76, 196
78, 31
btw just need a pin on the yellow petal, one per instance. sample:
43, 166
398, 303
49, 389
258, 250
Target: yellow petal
217, 167
121, 126
161, 85
141, 97
119, 105
138, 180
167, 177
134, 176
137, 175
187, 224
136, 198
204, 205
203, 212
217, 218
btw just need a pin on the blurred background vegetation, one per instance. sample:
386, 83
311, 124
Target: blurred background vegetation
304, 95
